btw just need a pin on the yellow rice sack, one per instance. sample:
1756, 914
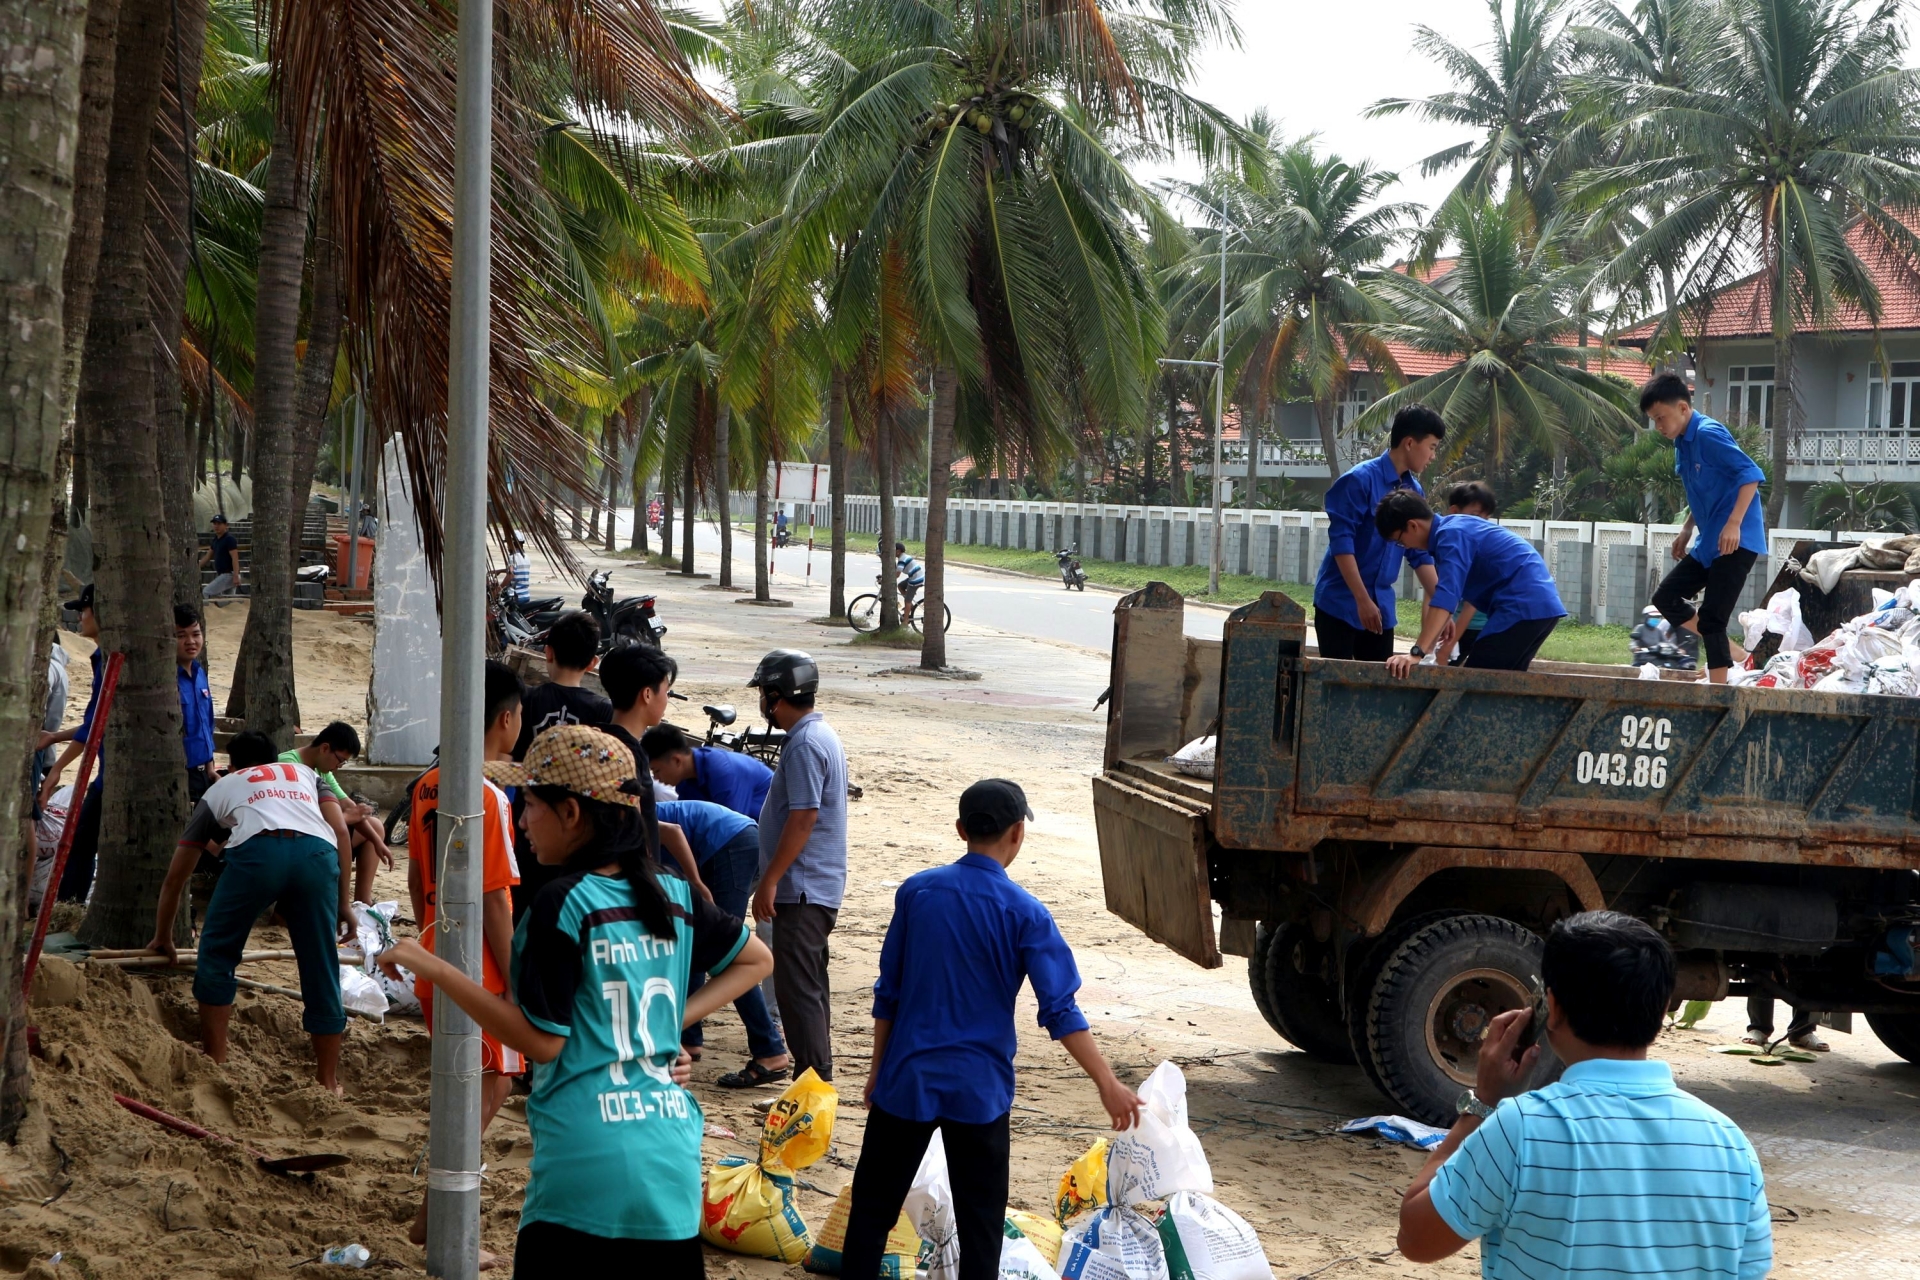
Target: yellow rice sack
1084, 1184
899, 1261
1044, 1232
748, 1206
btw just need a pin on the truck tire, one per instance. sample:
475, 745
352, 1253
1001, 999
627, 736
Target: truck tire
1257, 973
1900, 1032
1364, 964
1434, 998
1304, 993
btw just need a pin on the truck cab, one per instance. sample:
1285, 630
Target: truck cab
1389, 853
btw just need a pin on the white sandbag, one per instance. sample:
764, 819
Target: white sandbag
1114, 1242
1205, 1240
374, 927
1196, 758
929, 1207
361, 993
1159, 1155
1021, 1259
1648, 671
1825, 567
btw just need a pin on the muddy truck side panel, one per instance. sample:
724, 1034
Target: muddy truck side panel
1363, 834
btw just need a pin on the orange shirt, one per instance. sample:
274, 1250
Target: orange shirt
498, 868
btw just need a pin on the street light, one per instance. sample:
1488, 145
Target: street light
1219, 367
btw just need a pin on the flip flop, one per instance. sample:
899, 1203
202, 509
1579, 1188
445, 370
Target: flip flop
752, 1076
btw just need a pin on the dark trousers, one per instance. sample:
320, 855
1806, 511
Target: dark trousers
77, 880
1723, 580
549, 1251
730, 875
1463, 645
1341, 639
1511, 649
199, 778
800, 932
977, 1157
1760, 1018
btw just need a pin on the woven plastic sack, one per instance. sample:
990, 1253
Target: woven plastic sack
1084, 1185
1205, 1240
899, 1257
1159, 1155
1021, 1259
1196, 758
1043, 1231
748, 1205
1114, 1242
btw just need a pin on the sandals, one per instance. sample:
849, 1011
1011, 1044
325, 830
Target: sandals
1808, 1042
752, 1076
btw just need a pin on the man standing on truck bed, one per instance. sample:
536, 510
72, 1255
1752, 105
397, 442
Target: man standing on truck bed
1353, 606
1722, 485
1480, 561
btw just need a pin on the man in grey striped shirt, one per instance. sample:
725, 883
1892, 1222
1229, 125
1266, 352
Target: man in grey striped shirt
1611, 1172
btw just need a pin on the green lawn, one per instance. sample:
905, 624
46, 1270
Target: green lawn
1570, 642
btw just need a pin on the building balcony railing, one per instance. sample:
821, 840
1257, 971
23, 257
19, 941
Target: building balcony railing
1827, 448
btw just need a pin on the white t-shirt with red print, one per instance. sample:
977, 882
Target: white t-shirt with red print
268, 797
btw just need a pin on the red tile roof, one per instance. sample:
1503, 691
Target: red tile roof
1743, 310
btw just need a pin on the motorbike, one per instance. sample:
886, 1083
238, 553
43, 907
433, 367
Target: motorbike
512, 623
626, 621
763, 744
1071, 576
1676, 655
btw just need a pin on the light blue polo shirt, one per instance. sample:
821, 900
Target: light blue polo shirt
1614, 1171
812, 774
1712, 468
1496, 570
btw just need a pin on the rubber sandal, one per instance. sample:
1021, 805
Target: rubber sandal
752, 1076
1810, 1043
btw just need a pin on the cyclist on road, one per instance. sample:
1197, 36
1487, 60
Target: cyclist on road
912, 575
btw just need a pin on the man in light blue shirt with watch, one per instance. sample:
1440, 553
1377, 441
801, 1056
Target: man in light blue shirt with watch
1613, 1171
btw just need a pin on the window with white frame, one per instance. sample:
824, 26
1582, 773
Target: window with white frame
1750, 395
1352, 404
1893, 403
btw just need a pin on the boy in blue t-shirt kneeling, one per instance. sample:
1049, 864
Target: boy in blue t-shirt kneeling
963, 939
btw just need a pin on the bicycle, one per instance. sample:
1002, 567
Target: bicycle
863, 614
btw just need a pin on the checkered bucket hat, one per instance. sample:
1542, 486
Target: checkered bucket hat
581, 759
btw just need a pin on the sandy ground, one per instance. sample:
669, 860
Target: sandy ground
125, 1199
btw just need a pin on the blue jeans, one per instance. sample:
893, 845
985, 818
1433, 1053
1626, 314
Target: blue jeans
730, 874
302, 875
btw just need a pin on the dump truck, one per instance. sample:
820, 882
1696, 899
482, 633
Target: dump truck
1389, 853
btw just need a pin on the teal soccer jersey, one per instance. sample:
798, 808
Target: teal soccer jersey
616, 1144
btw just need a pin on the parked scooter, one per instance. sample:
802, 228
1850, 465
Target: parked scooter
1072, 578
626, 621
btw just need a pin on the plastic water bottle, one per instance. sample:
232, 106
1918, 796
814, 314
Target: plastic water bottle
347, 1255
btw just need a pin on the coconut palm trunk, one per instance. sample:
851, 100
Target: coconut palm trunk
1323, 412
144, 801
883, 457
264, 678
39, 115
1174, 494
314, 398
689, 497
933, 612
607, 542
837, 493
168, 227
640, 481
722, 486
762, 588
1785, 420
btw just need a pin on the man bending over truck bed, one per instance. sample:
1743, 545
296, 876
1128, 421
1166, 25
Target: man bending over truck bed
1480, 561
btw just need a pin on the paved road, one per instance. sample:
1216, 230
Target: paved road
1023, 606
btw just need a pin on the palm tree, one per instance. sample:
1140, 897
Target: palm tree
1502, 318
1311, 232
1515, 103
1799, 125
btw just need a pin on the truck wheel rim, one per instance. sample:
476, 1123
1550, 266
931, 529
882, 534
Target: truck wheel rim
1461, 1012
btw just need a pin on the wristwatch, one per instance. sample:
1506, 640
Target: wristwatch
1417, 651
1470, 1105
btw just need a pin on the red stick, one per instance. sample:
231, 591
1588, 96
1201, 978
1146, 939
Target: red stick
109, 679
175, 1123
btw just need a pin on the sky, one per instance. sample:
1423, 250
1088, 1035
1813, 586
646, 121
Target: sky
1317, 65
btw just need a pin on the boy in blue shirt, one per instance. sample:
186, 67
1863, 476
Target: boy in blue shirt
1353, 604
963, 939
1722, 485
1480, 561
1469, 498
728, 778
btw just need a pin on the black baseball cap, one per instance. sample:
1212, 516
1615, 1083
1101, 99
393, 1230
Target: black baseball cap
991, 805
84, 602
219, 518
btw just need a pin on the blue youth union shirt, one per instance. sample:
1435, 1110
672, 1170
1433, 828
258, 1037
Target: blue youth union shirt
1712, 468
727, 778
196, 714
1495, 569
962, 940
709, 827
1351, 502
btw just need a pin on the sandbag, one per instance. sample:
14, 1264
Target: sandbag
748, 1205
1044, 1232
1021, 1259
1196, 758
899, 1257
361, 994
1205, 1240
1084, 1185
1159, 1155
929, 1208
374, 927
1114, 1242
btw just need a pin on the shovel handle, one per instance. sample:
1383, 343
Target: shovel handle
174, 1123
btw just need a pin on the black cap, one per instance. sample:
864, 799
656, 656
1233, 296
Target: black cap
219, 517
991, 805
84, 602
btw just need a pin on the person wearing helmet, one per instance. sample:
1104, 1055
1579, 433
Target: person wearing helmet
1650, 632
803, 854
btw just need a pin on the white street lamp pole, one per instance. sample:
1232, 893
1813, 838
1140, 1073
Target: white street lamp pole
1219, 367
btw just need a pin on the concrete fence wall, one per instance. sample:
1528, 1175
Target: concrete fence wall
1606, 572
